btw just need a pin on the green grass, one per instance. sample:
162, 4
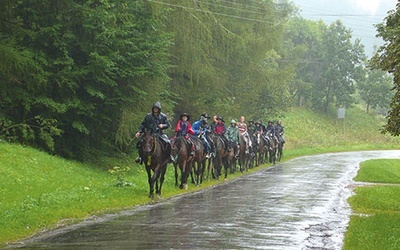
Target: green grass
41, 192
375, 224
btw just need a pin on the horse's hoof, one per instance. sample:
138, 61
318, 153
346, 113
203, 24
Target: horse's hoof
185, 186
151, 196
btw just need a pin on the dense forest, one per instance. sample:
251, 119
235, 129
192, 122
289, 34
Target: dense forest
78, 76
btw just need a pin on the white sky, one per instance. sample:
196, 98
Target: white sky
357, 15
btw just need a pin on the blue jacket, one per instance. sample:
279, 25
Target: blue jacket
198, 127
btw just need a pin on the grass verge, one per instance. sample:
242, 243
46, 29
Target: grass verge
376, 208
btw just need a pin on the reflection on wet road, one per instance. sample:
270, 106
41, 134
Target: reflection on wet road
299, 204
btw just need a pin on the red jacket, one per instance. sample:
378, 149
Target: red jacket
220, 129
180, 127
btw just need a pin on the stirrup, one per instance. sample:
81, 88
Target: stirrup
138, 160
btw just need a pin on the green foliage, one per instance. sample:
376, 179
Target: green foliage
78, 64
327, 64
375, 89
120, 173
386, 59
225, 56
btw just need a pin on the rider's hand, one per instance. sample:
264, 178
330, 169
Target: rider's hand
137, 135
160, 126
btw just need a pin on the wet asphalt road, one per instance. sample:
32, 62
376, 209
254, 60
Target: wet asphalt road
299, 204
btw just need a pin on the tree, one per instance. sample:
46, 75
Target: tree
339, 59
375, 89
80, 65
387, 59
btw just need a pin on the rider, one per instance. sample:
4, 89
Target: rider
251, 129
156, 121
279, 131
271, 130
232, 134
260, 129
242, 126
220, 129
184, 128
200, 128
214, 122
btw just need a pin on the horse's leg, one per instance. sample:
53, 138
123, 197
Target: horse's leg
151, 183
176, 174
202, 169
156, 178
162, 177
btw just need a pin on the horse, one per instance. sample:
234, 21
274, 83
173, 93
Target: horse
244, 155
181, 152
211, 137
279, 152
272, 149
230, 161
199, 161
220, 156
155, 160
262, 150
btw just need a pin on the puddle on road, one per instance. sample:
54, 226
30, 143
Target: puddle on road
300, 204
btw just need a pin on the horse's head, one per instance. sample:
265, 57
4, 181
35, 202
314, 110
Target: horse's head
148, 142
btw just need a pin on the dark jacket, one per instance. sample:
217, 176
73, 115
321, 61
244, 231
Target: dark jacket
151, 121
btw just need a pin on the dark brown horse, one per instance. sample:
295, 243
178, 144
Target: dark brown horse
262, 150
155, 159
220, 158
273, 145
181, 152
244, 155
279, 150
199, 161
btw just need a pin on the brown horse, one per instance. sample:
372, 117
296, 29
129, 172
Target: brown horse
262, 150
181, 152
273, 145
220, 156
199, 161
244, 155
155, 160
279, 151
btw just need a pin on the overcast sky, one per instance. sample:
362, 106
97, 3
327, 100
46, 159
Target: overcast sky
357, 15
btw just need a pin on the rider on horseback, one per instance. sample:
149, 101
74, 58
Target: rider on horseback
200, 129
271, 130
220, 129
232, 134
242, 126
279, 131
251, 129
184, 128
156, 121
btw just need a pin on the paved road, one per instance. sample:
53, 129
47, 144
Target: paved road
299, 204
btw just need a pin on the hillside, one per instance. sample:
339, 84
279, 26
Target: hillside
39, 191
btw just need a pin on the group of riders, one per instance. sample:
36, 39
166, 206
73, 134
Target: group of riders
156, 121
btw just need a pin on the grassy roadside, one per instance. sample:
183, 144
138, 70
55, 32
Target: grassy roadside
377, 207
40, 192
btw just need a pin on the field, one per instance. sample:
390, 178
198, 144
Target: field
39, 192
